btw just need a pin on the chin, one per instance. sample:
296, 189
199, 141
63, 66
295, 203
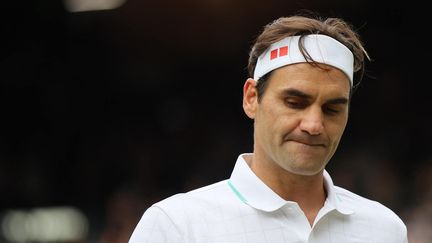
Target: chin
304, 168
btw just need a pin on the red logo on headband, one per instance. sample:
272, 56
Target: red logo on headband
283, 51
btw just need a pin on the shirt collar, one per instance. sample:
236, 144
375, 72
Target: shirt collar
254, 192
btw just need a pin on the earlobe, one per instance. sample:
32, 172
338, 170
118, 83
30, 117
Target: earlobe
250, 98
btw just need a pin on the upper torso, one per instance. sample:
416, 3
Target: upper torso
237, 210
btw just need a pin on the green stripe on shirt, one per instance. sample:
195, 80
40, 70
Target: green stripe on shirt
236, 192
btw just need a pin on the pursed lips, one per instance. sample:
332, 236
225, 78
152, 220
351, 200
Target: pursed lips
308, 143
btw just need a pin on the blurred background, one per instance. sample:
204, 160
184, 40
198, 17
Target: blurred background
108, 106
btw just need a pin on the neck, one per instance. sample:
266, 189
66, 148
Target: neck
307, 191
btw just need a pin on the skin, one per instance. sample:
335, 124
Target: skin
298, 125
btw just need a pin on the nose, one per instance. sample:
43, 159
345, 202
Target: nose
312, 122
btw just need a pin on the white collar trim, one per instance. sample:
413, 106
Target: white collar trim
254, 192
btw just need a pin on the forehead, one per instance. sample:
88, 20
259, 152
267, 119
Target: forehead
313, 79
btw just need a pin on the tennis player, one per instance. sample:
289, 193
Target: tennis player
302, 72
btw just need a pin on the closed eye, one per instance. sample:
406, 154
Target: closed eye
335, 106
331, 111
334, 109
296, 99
296, 103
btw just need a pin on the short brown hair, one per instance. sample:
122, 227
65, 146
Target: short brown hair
304, 25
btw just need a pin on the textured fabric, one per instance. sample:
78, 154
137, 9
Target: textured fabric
243, 209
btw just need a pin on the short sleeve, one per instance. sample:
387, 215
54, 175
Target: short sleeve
155, 226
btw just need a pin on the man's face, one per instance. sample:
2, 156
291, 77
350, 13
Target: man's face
301, 117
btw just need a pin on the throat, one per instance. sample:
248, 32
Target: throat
309, 196
307, 191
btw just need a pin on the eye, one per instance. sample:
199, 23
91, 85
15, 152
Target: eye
331, 110
296, 103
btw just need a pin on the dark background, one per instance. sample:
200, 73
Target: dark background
145, 100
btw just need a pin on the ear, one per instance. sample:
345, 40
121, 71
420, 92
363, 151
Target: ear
250, 98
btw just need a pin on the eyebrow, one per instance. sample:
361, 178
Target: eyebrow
338, 101
300, 94
297, 93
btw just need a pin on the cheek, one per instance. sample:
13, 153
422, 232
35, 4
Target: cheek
336, 129
287, 123
277, 118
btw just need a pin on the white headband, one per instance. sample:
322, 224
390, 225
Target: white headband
321, 48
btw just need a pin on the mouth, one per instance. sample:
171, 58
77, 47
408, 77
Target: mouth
309, 143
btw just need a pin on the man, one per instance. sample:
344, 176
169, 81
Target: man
302, 76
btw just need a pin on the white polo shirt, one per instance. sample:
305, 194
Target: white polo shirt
244, 209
